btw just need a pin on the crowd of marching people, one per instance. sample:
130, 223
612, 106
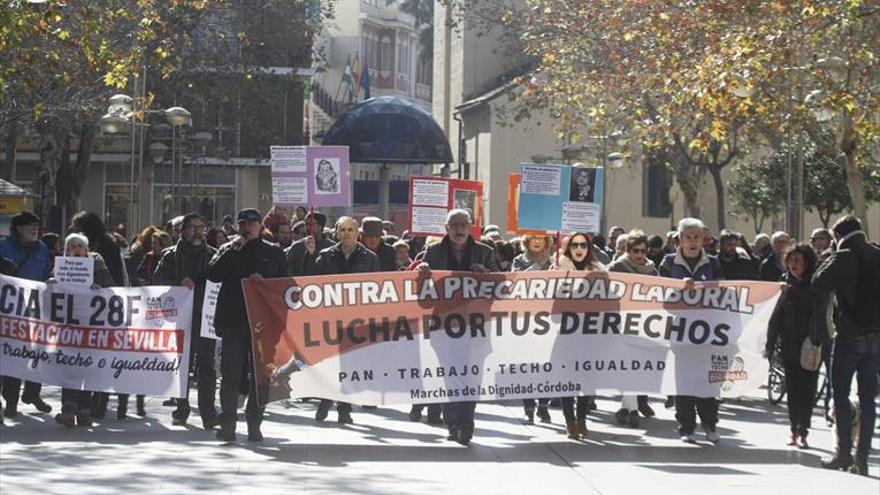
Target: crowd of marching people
829, 300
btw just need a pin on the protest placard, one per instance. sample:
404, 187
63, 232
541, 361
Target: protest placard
209, 307
310, 176
431, 198
560, 198
74, 270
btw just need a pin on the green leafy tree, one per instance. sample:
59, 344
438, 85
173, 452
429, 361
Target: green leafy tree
757, 190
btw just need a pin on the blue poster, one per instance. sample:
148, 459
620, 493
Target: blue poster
560, 198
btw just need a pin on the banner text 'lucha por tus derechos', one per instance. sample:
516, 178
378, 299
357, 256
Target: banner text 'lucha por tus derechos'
387, 338
126, 340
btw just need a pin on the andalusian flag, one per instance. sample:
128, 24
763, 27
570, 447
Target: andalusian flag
346, 80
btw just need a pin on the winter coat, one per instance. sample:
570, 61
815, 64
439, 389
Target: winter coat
525, 263
799, 313
362, 260
437, 255
184, 261
32, 262
707, 268
229, 266
741, 267
299, 262
625, 265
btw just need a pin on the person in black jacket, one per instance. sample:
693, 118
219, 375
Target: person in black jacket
772, 267
371, 238
7, 267
346, 256
459, 251
799, 315
736, 264
302, 254
853, 273
248, 256
186, 264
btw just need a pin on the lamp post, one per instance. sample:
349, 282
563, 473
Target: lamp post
123, 112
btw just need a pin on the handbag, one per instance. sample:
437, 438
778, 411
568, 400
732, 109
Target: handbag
811, 354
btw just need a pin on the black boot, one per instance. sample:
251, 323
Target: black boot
415, 414
839, 461
543, 414
254, 433
226, 433
122, 407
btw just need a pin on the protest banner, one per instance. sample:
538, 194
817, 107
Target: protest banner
310, 176
74, 270
392, 338
560, 198
125, 340
209, 307
431, 198
513, 180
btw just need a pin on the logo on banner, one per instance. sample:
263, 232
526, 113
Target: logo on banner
160, 308
727, 370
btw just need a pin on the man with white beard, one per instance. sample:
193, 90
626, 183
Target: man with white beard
186, 264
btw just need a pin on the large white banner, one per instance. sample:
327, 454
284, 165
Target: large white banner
126, 340
388, 338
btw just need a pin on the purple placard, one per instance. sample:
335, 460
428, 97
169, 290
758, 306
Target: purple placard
327, 176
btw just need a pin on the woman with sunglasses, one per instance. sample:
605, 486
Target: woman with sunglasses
578, 255
634, 260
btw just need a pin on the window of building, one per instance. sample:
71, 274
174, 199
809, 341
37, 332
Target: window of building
657, 181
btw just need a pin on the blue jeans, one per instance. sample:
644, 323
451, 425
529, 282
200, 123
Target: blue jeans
859, 356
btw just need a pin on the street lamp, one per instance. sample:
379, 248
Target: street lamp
122, 112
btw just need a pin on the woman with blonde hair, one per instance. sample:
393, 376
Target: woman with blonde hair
536, 257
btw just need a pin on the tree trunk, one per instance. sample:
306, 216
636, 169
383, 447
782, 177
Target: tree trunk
856, 190
53, 146
719, 195
684, 176
73, 176
10, 151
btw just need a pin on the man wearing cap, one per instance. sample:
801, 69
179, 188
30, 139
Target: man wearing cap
248, 256
32, 261
371, 237
346, 256
460, 252
302, 254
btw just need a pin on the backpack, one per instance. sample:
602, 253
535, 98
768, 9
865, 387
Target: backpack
866, 311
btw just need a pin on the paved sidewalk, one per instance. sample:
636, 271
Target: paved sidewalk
386, 453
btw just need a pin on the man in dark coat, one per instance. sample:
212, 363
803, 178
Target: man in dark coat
735, 264
33, 261
853, 273
371, 237
186, 264
772, 267
248, 256
302, 254
346, 256
459, 251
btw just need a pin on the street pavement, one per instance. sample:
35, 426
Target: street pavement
385, 453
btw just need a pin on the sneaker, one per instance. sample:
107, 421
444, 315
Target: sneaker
39, 403
712, 436
802, 443
10, 411
689, 438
